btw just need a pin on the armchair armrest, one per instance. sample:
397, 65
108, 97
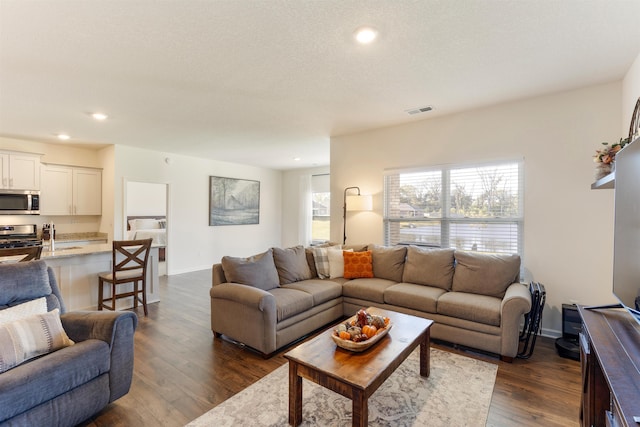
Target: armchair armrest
116, 329
100, 325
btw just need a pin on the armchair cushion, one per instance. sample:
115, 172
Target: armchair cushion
40, 380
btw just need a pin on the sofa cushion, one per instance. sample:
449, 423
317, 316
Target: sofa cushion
433, 267
40, 380
320, 290
23, 281
476, 308
30, 337
367, 289
388, 262
357, 264
485, 274
257, 270
291, 264
24, 310
311, 262
290, 302
416, 297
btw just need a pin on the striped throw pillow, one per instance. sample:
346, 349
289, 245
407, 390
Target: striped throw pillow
30, 337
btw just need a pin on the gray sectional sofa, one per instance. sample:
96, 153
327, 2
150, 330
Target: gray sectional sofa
272, 299
61, 382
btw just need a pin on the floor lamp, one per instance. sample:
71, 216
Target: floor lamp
357, 202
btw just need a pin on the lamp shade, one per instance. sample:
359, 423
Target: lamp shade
360, 202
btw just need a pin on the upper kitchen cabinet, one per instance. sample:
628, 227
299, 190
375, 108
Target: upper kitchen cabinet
70, 190
19, 171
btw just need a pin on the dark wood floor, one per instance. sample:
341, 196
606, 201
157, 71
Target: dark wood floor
181, 371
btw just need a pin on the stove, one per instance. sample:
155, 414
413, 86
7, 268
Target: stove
19, 236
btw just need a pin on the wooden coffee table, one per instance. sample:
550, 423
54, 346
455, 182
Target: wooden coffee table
356, 375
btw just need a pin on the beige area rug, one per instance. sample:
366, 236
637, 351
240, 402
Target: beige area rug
457, 393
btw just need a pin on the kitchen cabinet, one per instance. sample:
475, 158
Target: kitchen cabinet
19, 171
68, 190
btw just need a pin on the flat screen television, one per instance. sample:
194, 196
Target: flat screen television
626, 239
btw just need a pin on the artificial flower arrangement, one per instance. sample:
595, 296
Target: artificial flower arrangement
607, 155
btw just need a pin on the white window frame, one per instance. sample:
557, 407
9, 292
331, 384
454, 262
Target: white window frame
445, 219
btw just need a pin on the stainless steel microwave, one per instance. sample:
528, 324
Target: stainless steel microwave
19, 202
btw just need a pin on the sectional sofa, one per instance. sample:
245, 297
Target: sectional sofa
274, 298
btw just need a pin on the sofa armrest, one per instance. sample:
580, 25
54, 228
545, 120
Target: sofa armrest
234, 307
114, 328
515, 304
246, 295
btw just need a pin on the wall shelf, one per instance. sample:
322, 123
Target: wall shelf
608, 181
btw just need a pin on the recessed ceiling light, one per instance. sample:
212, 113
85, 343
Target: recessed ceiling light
297, 159
99, 116
366, 35
63, 136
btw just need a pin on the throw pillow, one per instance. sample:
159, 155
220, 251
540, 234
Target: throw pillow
388, 262
357, 265
26, 309
321, 260
432, 267
257, 270
336, 262
485, 274
291, 264
31, 337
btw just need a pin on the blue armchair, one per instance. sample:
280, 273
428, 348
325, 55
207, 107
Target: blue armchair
67, 386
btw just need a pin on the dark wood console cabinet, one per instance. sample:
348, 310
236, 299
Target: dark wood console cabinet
610, 359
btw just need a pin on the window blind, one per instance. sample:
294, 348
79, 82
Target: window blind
466, 207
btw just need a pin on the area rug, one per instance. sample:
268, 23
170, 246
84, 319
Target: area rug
457, 393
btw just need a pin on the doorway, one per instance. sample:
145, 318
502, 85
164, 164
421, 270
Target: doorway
146, 216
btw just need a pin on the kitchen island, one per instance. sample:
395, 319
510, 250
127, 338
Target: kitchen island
77, 267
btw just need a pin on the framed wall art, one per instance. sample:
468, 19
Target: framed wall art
233, 201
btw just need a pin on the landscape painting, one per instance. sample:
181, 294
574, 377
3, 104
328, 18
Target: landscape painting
233, 201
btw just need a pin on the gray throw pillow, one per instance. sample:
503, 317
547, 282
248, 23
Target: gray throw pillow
388, 262
257, 270
485, 274
433, 267
291, 264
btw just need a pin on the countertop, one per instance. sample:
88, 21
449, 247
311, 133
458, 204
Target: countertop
71, 251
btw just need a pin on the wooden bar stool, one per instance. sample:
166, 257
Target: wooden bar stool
129, 265
31, 253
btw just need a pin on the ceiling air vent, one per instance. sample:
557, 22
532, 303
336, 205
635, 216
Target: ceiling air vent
419, 110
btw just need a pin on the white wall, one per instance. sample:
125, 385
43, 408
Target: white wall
630, 94
292, 204
146, 199
194, 245
568, 242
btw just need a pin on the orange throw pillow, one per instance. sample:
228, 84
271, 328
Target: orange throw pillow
357, 265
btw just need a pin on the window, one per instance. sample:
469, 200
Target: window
320, 197
463, 207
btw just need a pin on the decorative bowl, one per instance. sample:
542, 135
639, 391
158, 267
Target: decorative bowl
362, 345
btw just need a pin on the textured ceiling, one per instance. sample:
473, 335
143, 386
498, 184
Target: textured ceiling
262, 82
